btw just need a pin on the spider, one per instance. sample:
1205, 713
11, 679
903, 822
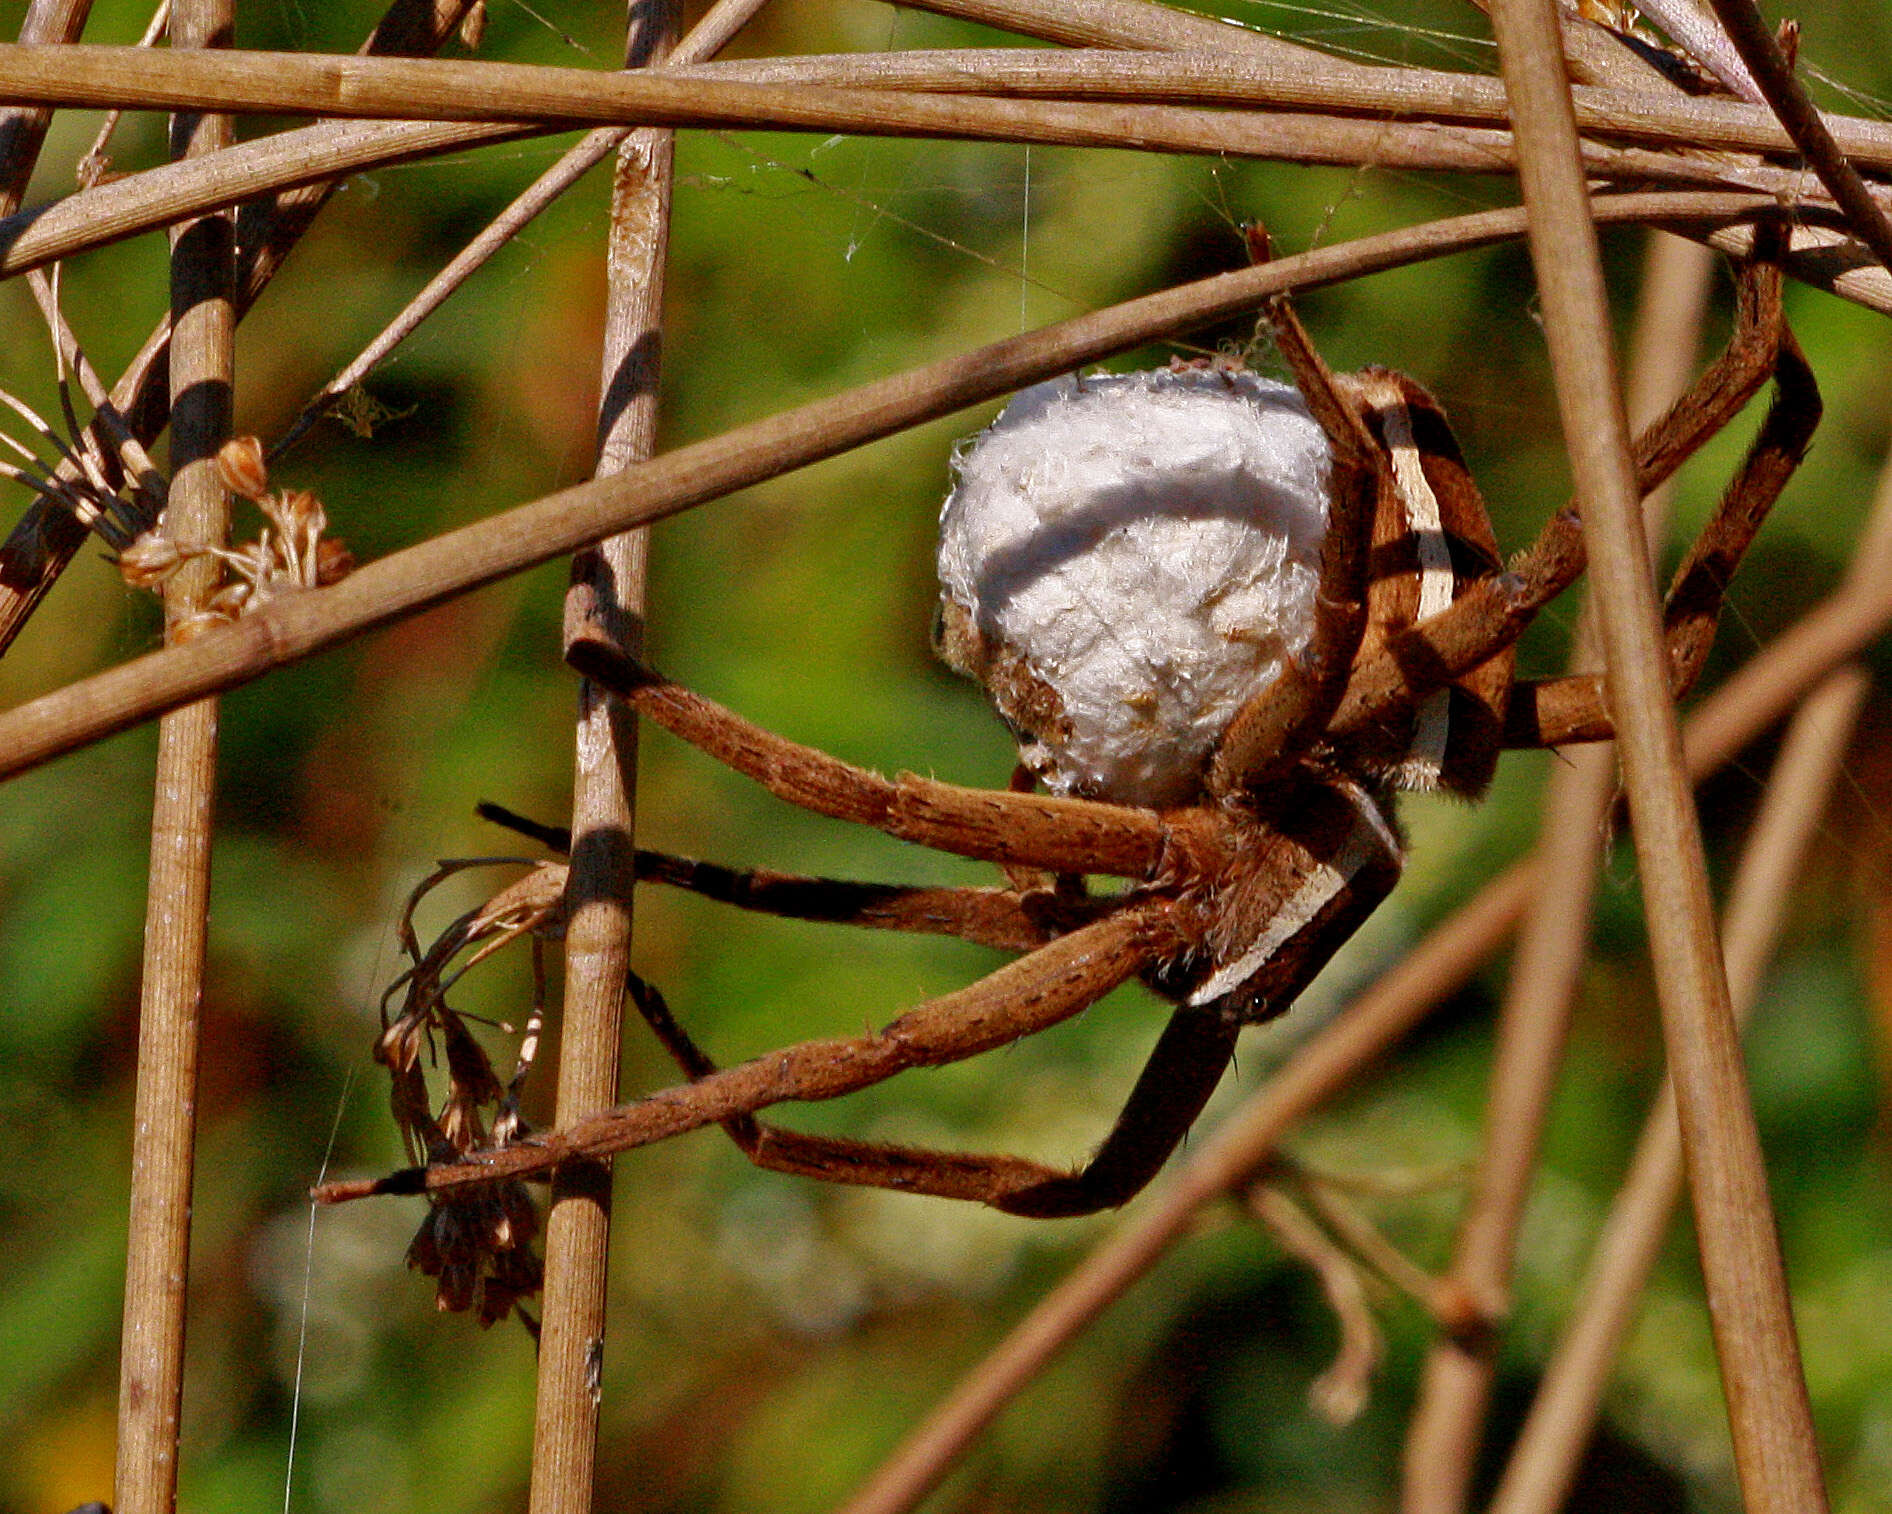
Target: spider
1279, 844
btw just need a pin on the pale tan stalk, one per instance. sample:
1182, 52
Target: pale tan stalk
437, 90
1550, 1448
1775, 1451
1544, 1460
1446, 1429
1116, 23
407, 582
606, 601
705, 39
164, 1124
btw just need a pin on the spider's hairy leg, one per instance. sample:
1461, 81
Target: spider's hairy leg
1020, 999
1563, 710
1182, 1072
1011, 919
1280, 719
1494, 614
1003, 918
1033, 830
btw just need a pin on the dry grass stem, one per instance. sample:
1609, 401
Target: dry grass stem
416, 578
1775, 1449
877, 94
1549, 1449
1553, 942
606, 600
1339, 1393
96, 162
1558, 1428
151, 1365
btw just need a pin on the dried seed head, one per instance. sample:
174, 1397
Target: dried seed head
240, 465
302, 511
1124, 560
333, 561
149, 560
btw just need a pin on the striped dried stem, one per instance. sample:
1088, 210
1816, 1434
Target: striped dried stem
157, 1266
607, 601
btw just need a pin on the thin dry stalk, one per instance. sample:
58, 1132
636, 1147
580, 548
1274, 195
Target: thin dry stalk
856, 93
1558, 1427
1550, 1448
419, 577
1445, 1434
1775, 1450
151, 1368
96, 161
606, 601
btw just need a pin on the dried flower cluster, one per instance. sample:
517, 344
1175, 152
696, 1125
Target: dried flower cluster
291, 552
478, 1245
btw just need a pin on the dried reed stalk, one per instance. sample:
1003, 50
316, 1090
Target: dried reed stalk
706, 38
151, 1367
1553, 943
1775, 76
606, 601
1775, 1450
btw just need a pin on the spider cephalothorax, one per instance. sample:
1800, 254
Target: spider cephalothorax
1251, 811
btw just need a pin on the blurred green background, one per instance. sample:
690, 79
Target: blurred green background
772, 1339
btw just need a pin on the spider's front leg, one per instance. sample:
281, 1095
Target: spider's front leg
1489, 620
1030, 830
1267, 734
1561, 710
1182, 1072
1020, 999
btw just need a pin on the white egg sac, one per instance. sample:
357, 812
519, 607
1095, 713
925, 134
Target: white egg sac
1124, 560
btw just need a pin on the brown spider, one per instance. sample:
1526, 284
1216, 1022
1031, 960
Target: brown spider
1240, 894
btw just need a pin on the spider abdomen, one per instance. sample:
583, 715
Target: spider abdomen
1124, 560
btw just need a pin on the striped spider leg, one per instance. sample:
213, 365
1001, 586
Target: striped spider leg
1278, 839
